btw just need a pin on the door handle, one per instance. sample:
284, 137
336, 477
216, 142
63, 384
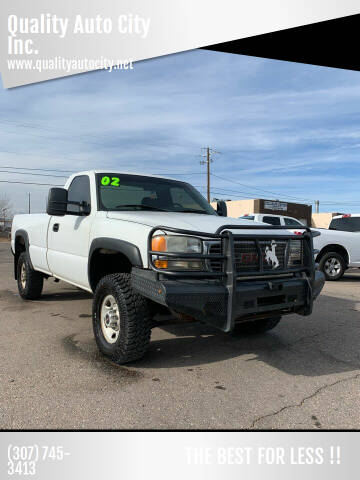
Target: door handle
56, 227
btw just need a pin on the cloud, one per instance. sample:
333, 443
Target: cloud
279, 126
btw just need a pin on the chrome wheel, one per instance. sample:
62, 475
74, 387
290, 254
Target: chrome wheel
332, 267
23, 276
110, 319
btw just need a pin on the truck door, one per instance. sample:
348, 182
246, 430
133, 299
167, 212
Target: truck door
68, 237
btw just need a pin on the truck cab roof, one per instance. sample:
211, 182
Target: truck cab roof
119, 172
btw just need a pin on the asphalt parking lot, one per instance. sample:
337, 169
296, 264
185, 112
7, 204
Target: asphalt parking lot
305, 374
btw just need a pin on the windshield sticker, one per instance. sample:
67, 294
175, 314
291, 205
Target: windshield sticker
113, 181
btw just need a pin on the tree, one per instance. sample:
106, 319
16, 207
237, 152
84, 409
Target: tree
6, 212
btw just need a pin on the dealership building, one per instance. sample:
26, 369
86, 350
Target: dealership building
238, 208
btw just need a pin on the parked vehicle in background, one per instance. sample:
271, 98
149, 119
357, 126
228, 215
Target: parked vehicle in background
273, 219
339, 246
146, 245
346, 223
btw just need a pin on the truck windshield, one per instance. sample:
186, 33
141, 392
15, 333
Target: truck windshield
122, 192
345, 224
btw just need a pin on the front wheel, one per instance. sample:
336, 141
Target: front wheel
121, 319
30, 282
253, 327
333, 266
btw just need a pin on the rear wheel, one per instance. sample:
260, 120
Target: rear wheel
333, 265
30, 282
254, 327
121, 319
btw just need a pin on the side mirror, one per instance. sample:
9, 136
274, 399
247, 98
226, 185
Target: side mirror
221, 208
57, 202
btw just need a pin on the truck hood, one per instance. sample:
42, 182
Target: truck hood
185, 221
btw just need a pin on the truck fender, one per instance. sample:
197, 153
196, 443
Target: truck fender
128, 249
21, 234
333, 247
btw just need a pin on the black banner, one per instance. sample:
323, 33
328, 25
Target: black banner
332, 44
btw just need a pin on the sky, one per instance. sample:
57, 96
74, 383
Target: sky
284, 130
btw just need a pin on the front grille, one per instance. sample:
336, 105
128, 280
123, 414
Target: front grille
274, 253
215, 265
246, 256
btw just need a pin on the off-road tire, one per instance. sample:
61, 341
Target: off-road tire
254, 327
34, 280
135, 319
328, 256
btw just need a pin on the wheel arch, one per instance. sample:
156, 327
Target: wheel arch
111, 255
334, 247
22, 244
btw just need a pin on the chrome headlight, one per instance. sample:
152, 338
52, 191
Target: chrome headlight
176, 244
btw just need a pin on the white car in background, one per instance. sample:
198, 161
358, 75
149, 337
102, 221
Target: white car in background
273, 219
339, 246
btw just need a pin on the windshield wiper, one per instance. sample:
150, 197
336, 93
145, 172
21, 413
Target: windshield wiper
142, 207
149, 207
192, 210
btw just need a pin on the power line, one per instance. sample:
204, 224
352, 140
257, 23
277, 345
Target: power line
218, 190
178, 174
37, 169
235, 193
34, 174
31, 183
224, 192
227, 190
261, 189
37, 154
72, 171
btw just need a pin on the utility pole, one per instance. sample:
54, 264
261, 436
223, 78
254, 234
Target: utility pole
207, 162
4, 211
29, 202
317, 203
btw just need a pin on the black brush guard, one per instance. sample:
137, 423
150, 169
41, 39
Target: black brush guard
223, 297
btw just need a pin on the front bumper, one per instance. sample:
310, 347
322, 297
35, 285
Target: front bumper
222, 298
208, 300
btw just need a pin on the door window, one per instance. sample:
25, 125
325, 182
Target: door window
271, 220
345, 224
291, 222
79, 191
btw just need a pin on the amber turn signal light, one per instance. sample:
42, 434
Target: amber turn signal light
158, 244
161, 263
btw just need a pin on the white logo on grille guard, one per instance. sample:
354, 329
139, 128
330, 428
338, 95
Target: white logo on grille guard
270, 255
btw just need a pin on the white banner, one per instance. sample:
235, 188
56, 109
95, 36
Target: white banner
203, 455
43, 40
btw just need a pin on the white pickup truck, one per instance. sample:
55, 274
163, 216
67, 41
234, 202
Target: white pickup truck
145, 245
338, 247
273, 219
